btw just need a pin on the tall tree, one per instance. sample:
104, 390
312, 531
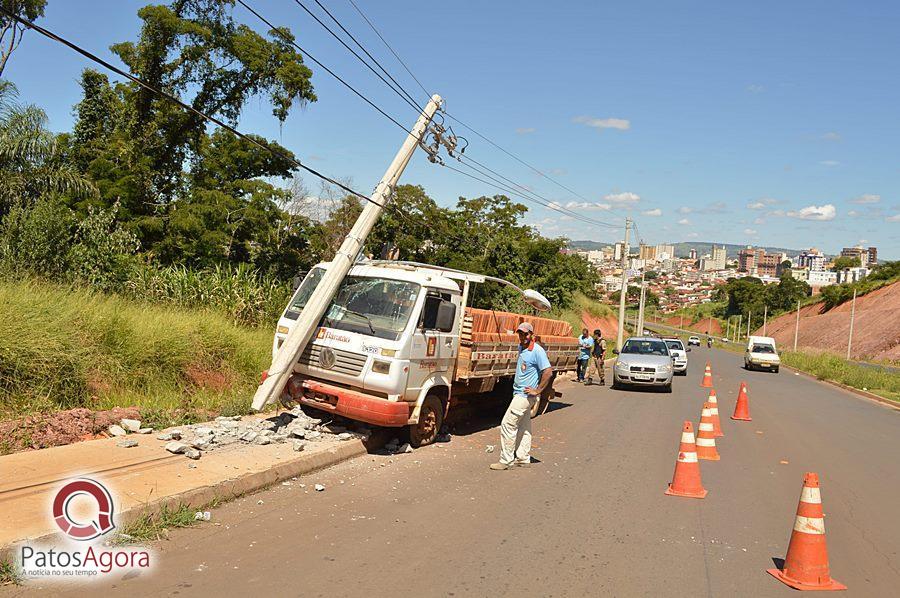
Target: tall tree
11, 32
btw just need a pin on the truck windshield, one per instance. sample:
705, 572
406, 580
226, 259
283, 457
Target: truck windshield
305, 290
375, 306
762, 349
645, 347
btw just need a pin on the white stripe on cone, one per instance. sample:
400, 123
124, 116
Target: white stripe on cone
687, 437
811, 495
687, 457
809, 525
706, 442
704, 427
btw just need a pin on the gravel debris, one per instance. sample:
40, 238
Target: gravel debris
132, 425
320, 488
127, 443
115, 430
176, 448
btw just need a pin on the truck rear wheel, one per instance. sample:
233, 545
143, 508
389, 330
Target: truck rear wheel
431, 418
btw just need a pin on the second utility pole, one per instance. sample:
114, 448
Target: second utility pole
624, 290
640, 324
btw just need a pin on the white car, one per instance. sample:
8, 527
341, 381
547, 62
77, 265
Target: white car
643, 361
694, 340
679, 354
761, 354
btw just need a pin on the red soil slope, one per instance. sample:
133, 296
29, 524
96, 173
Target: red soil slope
876, 327
700, 326
608, 325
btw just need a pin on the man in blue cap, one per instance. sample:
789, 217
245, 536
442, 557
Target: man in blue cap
533, 374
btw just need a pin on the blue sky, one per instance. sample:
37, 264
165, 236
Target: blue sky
770, 123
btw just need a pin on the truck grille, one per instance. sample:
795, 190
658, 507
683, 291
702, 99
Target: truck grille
345, 362
637, 368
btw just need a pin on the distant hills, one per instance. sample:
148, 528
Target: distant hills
684, 249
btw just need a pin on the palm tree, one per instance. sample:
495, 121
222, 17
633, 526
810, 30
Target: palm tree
31, 164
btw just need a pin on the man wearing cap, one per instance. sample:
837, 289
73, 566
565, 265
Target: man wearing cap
533, 374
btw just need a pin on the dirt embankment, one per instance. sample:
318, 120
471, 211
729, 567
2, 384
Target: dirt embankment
876, 327
608, 325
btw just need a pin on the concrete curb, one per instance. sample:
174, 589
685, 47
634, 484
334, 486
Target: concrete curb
233, 488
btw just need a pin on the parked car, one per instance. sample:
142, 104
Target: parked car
643, 361
694, 340
761, 354
679, 353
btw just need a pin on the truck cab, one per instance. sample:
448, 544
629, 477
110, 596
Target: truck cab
387, 349
761, 354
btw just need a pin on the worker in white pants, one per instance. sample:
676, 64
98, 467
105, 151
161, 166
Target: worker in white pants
533, 374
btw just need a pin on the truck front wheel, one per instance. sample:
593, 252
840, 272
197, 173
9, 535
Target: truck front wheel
431, 418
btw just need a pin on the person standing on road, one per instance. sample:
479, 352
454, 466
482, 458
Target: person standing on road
533, 374
585, 344
598, 353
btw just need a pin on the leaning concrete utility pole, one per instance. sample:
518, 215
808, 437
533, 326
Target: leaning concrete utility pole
749, 317
765, 317
737, 331
797, 326
624, 290
282, 366
852, 313
640, 324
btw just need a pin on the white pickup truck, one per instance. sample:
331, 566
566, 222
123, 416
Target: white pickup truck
398, 346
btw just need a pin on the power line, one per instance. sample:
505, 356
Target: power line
93, 57
397, 56
414, 106
361, 47
325, 68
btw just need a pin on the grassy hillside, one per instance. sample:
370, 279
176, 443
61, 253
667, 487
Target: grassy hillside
581, 305
62, 348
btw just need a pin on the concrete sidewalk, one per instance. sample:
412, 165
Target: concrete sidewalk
146, 478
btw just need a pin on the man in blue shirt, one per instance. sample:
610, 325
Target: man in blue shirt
533, 374
585, 344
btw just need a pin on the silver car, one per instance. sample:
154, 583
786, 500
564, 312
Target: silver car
643, 361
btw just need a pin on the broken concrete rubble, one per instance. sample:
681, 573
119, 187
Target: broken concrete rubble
115, 430
132, 425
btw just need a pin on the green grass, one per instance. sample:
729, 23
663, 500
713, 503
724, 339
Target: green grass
149, 527
9, 574
829, 366
581, 305
62, 348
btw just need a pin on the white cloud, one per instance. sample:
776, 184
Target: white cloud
894, 218
863, 241
754, 88
554, 205
830, 163
762, 204
831, 136
622, 124
693, 235
826, 212
624, 198
654, 212
866, 198
759, 220
853, 213
749, 231
584, 205
525, 130
684, 222
685, 210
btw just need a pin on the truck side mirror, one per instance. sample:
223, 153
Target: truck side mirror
438, 314
446, 316
615, 351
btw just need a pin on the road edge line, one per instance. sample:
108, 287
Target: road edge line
858, 392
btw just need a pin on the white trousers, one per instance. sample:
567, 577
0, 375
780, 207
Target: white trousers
515, 430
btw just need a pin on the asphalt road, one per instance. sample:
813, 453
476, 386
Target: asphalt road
589, 519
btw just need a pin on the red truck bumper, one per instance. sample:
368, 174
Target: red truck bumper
355, 405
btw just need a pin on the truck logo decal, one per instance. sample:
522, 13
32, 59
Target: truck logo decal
327, 358
322, 333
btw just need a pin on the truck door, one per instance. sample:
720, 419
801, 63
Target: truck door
436, 341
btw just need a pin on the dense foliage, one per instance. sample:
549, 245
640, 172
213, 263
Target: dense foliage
750, 297
144, 199
834, 295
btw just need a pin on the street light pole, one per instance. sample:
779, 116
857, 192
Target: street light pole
624, 289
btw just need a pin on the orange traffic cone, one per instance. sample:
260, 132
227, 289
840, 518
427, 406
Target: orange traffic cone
806, 563
707, 377
686, 481
742, 407
714, 410
706, 436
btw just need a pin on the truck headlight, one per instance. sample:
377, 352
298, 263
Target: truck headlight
381, 367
